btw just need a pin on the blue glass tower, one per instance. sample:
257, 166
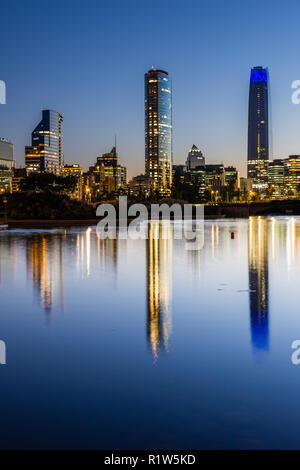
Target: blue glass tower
158, 129
46, 150
258, 127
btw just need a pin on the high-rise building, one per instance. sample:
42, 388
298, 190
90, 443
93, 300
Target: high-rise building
195, 170
232, 177
158, 129
258, 128
195, 158
106, 176
292, 175
19, 174
76, 171
46, 150
109, 164
276, 176
6, 165
121, 178
215, 177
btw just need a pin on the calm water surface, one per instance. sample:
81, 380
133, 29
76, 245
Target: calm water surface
121, 344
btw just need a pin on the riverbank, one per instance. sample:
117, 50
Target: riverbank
70, 223
50, 210
242, 210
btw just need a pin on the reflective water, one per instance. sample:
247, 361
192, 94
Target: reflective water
141, 344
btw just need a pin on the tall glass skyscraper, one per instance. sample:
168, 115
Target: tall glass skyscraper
46, 150
158, 129
258, 127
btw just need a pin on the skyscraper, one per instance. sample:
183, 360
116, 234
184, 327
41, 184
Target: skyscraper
6, 165
158, 129
258, 127
195, 170
195, 158
109, 164
46, 150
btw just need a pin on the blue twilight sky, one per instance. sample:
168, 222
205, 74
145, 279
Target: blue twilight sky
87, 59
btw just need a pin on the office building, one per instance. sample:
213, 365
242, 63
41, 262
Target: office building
76, 171
158, 129
141, 186
179, 172
6, 165
107, 166
258, 128
292, 175
276, 174
195, 170
121, 178
214, 177
195, 158
46, 151
232, 177
245, 185
19, 174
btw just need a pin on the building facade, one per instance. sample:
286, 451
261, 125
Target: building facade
121, 178
232, 177
158, 129
214, 177
6, 165
141, 186
195, 170
105, 177
19, 174
108, 166
76, 171
258, 128
195, 158
179, 173
292, 175
276, 177
245, 185
46, 151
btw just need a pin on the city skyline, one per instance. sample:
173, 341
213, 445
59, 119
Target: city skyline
210, 79
253, 105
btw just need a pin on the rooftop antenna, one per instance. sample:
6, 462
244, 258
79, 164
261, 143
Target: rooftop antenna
116, 142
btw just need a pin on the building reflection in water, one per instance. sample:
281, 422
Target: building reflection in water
44, 255
159, 285
258, 282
